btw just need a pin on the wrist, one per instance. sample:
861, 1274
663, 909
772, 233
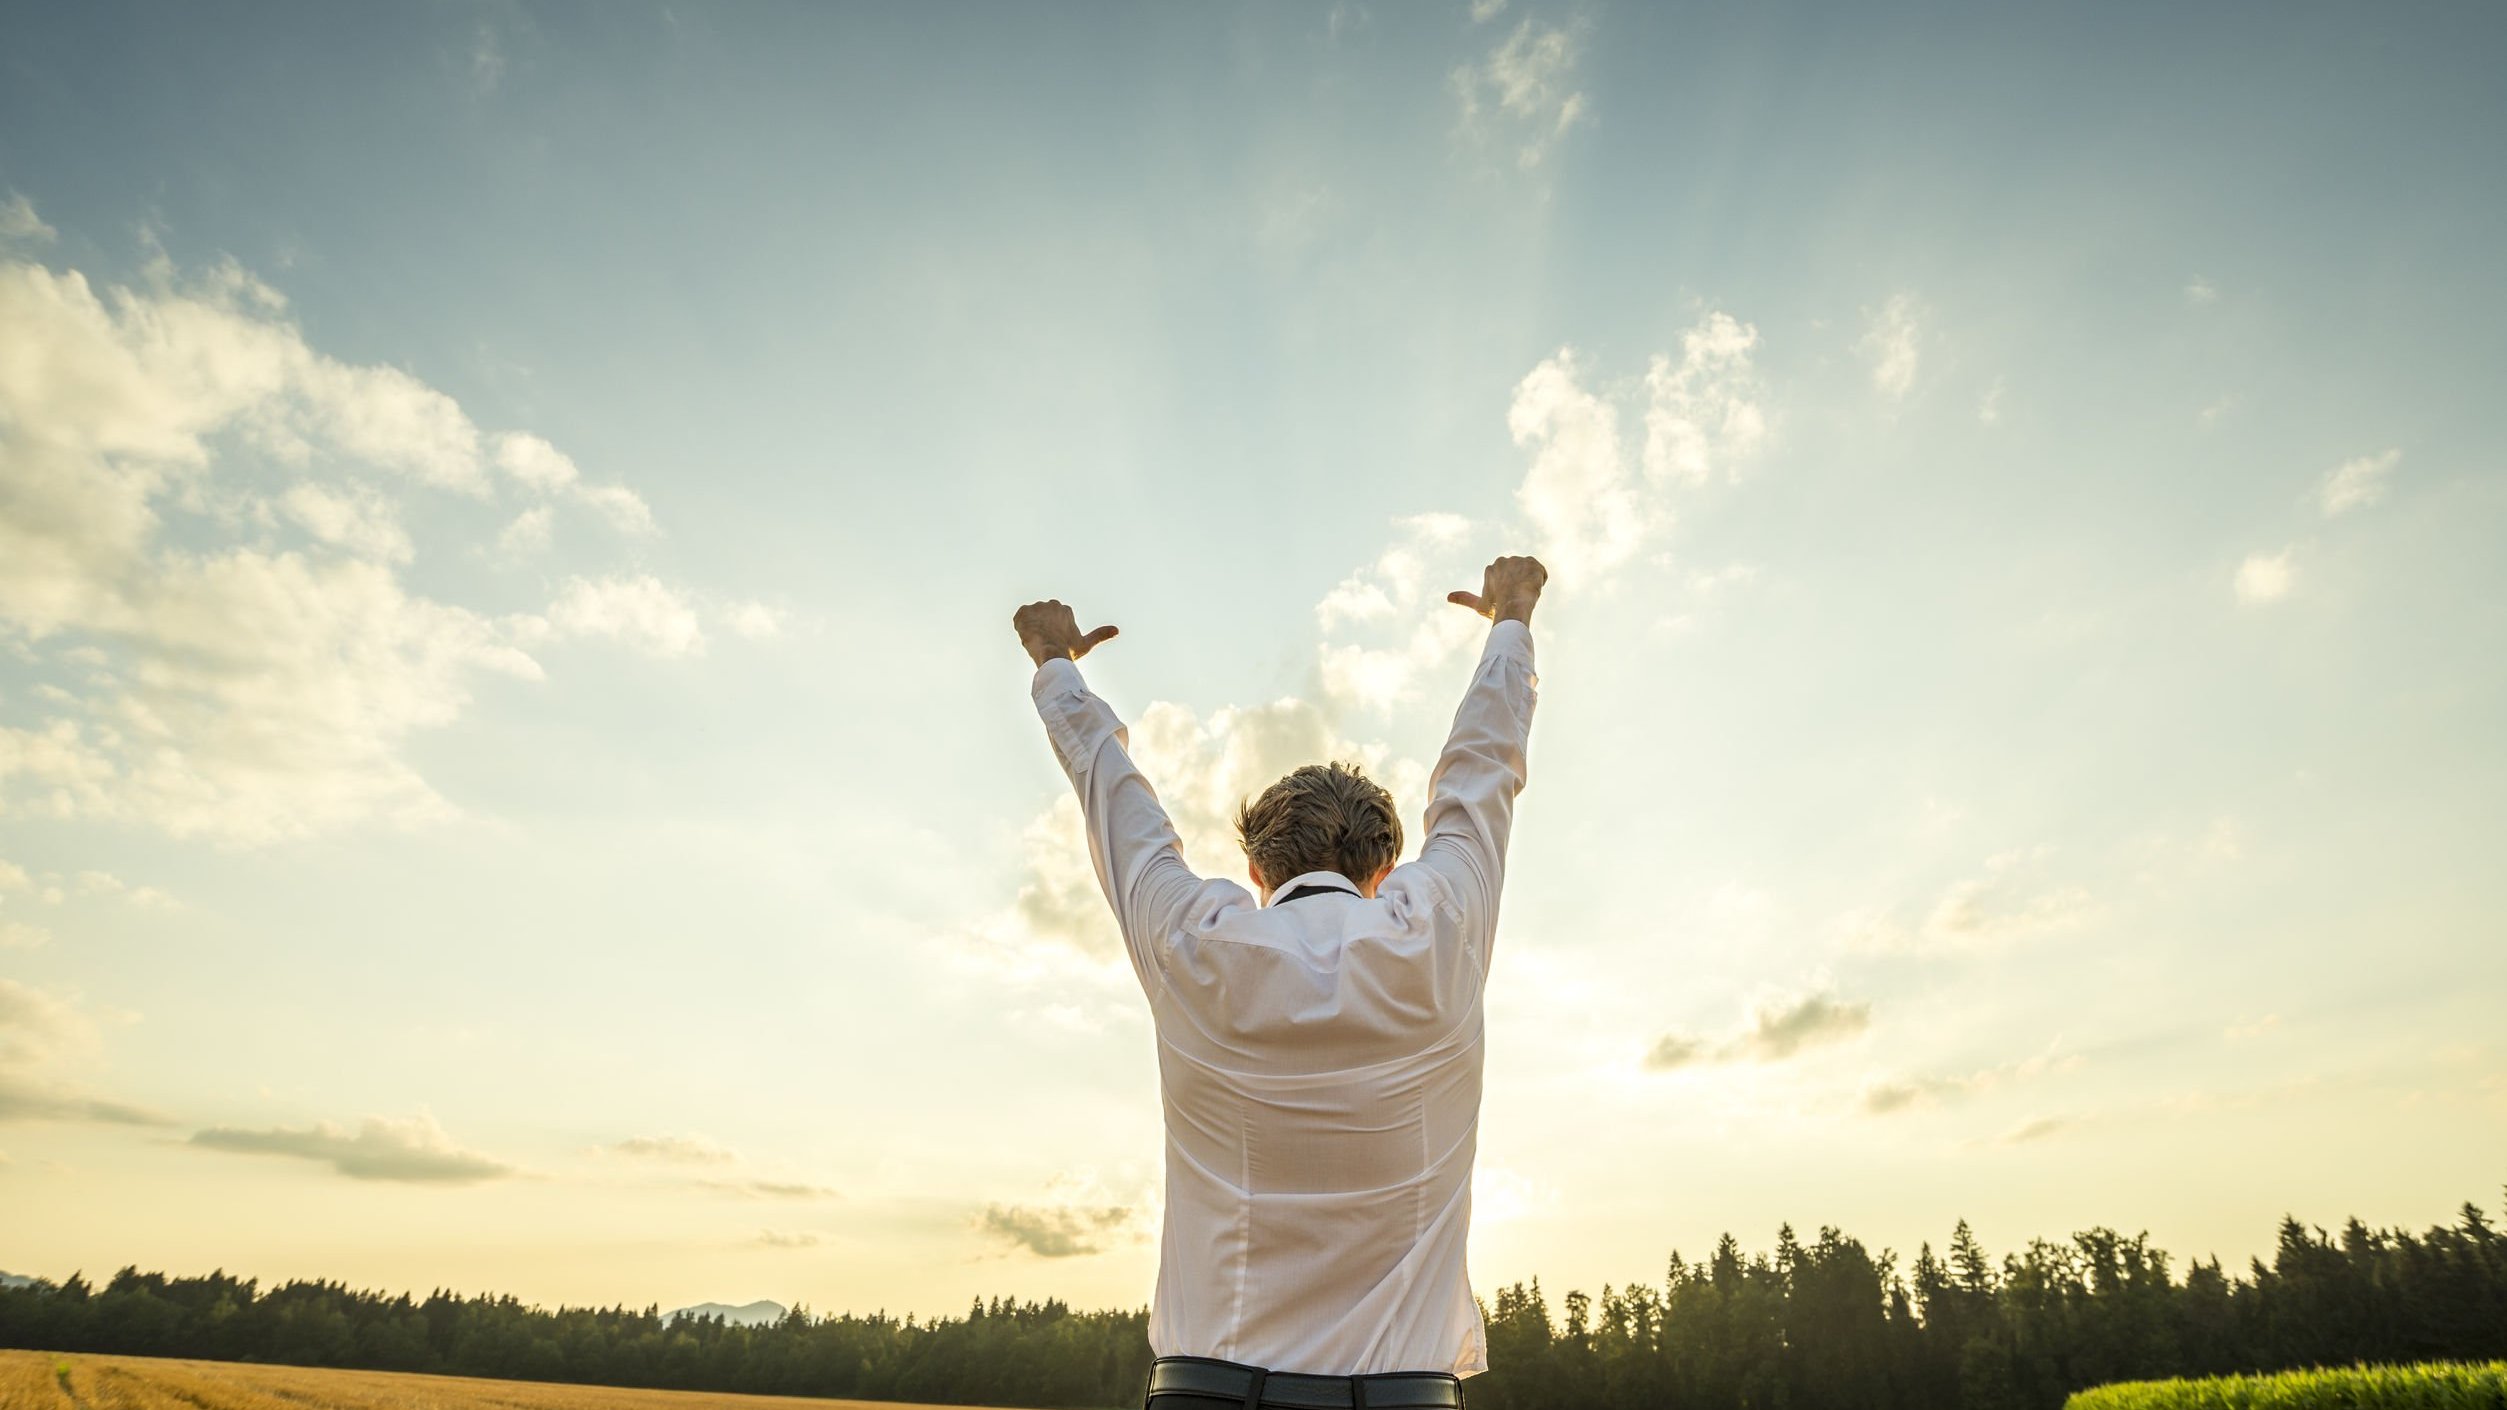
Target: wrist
1518, 611
1041, 654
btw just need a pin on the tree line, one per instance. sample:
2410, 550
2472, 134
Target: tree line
1811, 1325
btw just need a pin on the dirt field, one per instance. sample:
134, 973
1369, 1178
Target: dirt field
46, 1380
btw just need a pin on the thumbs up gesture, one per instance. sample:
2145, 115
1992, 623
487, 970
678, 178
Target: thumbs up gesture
1047, 630
1508, 589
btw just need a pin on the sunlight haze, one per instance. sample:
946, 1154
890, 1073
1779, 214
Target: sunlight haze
515, 774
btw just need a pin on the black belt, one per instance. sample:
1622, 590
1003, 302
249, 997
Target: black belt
1227, 1380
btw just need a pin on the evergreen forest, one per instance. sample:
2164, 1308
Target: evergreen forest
1816, 1323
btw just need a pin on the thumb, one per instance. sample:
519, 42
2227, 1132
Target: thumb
1467, 599
1088, 642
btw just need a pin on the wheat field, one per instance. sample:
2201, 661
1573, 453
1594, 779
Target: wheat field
47, 1380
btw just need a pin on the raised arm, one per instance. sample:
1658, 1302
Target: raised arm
1138, 858
1471, 796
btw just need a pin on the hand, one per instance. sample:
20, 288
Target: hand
1047, 630
1508, 589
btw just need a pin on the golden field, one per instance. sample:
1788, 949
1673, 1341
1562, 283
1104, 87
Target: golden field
47, 1380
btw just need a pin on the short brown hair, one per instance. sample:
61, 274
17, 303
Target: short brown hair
1323, 817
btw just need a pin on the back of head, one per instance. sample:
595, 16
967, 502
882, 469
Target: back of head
1323, 817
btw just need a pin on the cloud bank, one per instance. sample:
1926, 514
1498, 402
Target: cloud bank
204, 527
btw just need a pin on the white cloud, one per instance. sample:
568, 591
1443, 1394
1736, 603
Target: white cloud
383, 416
1080, 1215
2358, 482
268, 699
772, 1189
1778, 1028
528, 533
1382, 678
1400, 601
1482, 11
105, 883
487, 58
42, 1033
1524, 92
544, 469
19, 935
1502, 1196
753, 620
1057, 939
535, 463
622, 507
1706, 410
1059, 1231
1978, 912
1704, 415
643, 612
1398, 577
677, 1150
2266, 577
205, 686
412, 1150
1890, 340
1585, 513
1202, 768
2001, 907
360, 521
769, 1238
2035, 1130
19, 225
1882, 1096
2199, 290
38, 1027
1989, 410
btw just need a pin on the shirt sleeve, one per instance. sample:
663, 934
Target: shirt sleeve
1132, 843
1471, 796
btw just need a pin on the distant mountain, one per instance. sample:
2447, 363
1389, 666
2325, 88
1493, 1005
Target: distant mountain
20, 1280
755, 1314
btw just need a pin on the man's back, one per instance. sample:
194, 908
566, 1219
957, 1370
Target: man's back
1320, 1057
1320, 1061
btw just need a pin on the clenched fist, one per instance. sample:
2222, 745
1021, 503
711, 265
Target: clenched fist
1047, 630
1508, 589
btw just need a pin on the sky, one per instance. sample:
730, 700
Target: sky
515, 774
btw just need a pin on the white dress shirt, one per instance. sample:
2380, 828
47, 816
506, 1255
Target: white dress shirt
1319, 1058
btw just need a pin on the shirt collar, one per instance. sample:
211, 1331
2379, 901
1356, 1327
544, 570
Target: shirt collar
1331, 879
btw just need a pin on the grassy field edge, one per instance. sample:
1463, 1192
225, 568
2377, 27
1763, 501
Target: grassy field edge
2435, 1385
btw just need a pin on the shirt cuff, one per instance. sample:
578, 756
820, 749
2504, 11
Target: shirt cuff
1510, 638
1076, 721
1058, 673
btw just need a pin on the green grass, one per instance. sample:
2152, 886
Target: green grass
2438, 1385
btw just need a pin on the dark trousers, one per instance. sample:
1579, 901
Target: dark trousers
1176, 1400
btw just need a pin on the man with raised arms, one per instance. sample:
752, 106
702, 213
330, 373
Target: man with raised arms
1319, 1040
